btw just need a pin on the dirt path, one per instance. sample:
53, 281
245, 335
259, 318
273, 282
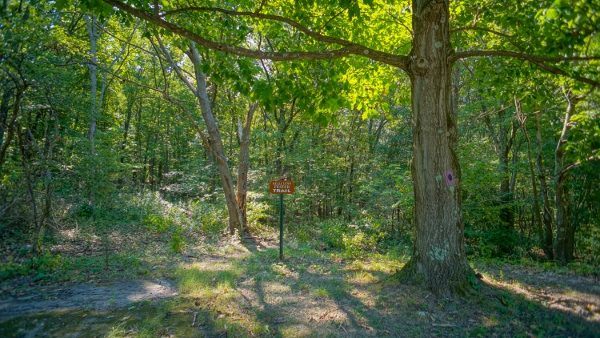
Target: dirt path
85, 297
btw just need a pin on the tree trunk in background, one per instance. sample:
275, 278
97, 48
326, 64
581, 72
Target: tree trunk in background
547, 214
11, 125
503, 140
537, 211
244, 165
280, 142
564, 228
4, 108
50, 131
25, 148
439, 257
506, 193
93, 68
216, 144
126, 124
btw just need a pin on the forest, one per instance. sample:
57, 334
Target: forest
445, 160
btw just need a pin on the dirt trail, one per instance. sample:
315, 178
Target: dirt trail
86, 297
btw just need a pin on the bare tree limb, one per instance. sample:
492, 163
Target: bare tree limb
174, 65
578, 163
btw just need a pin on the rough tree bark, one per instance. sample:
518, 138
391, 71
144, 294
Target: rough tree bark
439, 256
50, 131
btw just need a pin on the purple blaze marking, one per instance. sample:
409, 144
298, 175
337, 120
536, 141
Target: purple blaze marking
450, 179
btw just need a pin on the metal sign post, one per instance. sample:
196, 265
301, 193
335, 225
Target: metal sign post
281, 187
281, 212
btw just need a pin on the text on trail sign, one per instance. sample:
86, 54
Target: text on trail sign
281, 187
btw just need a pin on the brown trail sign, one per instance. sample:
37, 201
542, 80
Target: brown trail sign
281, 187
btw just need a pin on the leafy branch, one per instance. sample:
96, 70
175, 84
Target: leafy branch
348, 48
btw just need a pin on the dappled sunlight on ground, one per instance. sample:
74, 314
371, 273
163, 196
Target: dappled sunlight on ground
235, 289
575, 295
153, 290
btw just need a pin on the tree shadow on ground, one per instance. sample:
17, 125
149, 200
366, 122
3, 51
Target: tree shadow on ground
312, 293
327, 299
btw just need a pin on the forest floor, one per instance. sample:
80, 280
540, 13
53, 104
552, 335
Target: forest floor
238, 288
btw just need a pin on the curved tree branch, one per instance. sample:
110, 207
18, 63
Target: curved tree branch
372, 53
540, 61
482, 29
510, 38
572, 166
560, 71
348, 48
519, 55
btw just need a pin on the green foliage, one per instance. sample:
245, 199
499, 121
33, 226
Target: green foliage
492, 243
209, 218
177, 241
588, 246
157, 223
359, 244
260, 213
332, 233
39, 267
351, 240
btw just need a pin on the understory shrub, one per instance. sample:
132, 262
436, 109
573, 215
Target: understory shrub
210, 218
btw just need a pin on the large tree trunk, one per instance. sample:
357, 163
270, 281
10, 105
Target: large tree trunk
244, 165
439, 257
